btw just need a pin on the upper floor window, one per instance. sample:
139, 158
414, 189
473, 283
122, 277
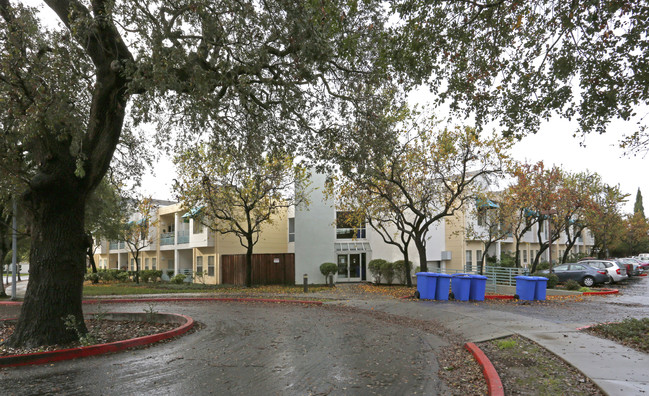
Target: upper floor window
349, 226
291, 229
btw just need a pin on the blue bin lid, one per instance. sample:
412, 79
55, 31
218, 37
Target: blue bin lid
522, 277
460, 274
540, 278
443, 275
478, 277
426, 274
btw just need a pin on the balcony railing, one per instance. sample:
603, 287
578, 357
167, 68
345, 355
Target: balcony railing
112, 245
167, 238
122, 244
183, 236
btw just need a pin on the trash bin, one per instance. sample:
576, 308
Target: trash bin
541, 286
443, 285
461, 286
426, 285
478, 287
525, 287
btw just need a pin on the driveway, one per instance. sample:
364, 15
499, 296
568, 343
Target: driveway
251, 348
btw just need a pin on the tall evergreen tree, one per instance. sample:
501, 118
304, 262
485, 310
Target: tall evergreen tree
638, 207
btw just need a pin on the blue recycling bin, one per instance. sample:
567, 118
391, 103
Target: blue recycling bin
461, 286
478, 287
541, 286
426, 285
443, 286
526, 287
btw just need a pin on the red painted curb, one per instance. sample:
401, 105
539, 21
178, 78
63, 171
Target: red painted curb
642, 275
498, 297
599, 293
494, 385
180, 299
92, 350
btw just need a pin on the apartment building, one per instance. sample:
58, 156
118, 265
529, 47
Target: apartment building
181, 244
467, 250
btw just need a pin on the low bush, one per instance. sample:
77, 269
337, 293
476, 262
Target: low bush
122, 276
552, 279
400, 270
543, 265
572, 285
387, 272
178, 279
150, 275
327, 269
94, 278
375, 268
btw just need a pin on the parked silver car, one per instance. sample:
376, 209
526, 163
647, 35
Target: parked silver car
615, 271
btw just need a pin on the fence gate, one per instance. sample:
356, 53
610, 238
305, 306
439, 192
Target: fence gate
267, 269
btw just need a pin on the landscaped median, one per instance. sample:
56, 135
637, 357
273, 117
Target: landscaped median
185, 323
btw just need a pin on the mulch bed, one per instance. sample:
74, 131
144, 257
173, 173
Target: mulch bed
525, 368
102, 331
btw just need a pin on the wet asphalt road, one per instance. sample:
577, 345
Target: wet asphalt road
631, 302
249, 348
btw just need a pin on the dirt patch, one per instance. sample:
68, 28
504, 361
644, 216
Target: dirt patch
525, 368
99, 332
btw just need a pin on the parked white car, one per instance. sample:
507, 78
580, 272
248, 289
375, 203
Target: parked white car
615, 272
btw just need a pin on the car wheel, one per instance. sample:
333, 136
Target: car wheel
610, 280
588, 281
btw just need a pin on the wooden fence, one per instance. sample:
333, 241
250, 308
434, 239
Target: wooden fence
267, 269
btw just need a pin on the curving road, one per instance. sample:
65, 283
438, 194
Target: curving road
250, 348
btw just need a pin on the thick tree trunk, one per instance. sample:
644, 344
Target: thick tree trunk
249, 263
57, 261
421, 249
407, 267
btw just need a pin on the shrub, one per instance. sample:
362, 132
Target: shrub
552, 279
375, 268
507, 260
170, 274
387, 272
178, 279
543, 265
400, 270
122, 276
94, 278
150, 275
327, 269
572, 285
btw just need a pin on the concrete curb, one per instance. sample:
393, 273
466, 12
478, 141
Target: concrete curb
92, 350
494, 385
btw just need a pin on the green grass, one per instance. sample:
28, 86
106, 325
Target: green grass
631, 332
506, 344
119, 289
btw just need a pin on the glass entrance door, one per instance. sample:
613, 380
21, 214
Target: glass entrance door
351, 267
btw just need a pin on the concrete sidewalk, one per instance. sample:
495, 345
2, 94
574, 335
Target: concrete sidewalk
616, 369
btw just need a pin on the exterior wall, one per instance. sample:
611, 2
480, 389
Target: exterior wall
315, 233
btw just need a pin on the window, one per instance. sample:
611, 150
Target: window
525, 256
469, 263
198, 226
139, 264
349, 226
478, 257
482, 216
291, 229
153, 263
210, 265
199, 264
132, 264
146, 263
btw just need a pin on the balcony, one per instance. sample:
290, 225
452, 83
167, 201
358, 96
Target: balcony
112, 245
183, 236
167, 238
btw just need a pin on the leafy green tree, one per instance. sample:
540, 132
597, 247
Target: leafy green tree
65, 94
138, 228
638, 207
605, 220
520, 62
426, 175
239, 189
